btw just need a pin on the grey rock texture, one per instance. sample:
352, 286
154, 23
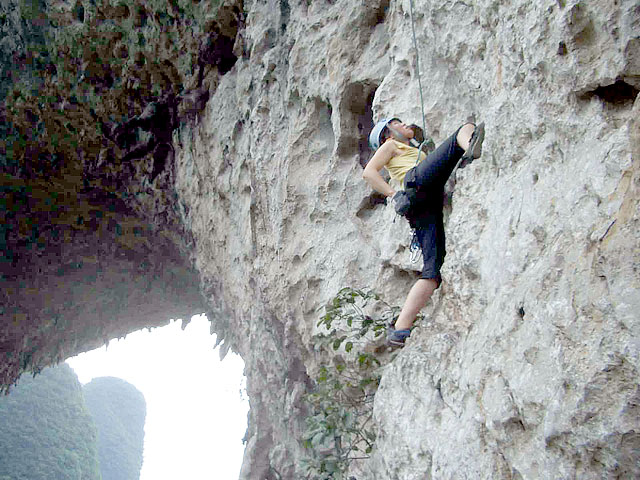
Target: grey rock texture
527, 363
22, 32
527, 366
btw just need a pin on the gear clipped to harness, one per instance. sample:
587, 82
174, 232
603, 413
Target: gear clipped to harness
414, 248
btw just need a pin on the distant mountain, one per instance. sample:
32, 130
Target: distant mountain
119, 411
46, 431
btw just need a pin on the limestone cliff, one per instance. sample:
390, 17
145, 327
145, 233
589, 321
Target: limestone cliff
527, 363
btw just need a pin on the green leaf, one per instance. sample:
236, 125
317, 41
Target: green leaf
366, 381
348, 346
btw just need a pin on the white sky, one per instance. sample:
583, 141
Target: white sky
196, 405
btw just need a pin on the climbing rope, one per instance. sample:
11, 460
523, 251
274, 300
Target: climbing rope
415, 46
414, 247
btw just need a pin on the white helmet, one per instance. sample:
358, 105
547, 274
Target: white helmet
376, 132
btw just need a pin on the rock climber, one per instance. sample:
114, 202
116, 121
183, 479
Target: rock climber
417, 193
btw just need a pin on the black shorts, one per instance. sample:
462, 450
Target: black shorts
430, 232
425, 214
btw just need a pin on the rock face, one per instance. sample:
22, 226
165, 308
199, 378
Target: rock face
22, 29
527, 364
91, 243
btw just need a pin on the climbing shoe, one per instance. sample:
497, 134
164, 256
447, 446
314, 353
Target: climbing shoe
396, 338
475, 146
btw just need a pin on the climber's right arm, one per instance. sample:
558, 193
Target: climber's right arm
371, 172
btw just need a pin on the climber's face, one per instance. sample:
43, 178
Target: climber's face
401, 128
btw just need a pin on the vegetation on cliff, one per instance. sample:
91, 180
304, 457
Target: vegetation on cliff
339, 427
47, 431
118, 410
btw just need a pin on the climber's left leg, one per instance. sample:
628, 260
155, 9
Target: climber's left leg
463, 136
418, 297
430, 234
433, 172
471, 140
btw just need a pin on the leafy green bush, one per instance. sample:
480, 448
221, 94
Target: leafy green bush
338, 428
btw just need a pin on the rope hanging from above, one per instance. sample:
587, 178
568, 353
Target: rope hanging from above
415, 46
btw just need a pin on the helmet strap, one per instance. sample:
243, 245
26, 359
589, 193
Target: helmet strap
413, 142
397, 134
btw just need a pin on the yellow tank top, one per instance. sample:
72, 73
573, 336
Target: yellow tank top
399, 165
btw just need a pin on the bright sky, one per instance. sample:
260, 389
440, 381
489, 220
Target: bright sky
196, 405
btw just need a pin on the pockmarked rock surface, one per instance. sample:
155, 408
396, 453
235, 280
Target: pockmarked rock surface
526, 365
91, 246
